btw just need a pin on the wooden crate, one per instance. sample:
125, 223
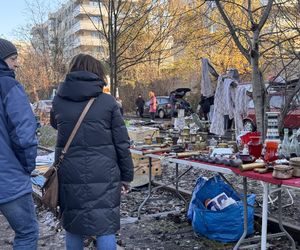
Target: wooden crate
143, 168
139, 133
138, 159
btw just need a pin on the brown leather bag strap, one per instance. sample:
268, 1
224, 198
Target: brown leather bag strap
75, 129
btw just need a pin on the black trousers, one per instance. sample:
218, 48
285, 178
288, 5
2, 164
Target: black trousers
141, 111
152, 115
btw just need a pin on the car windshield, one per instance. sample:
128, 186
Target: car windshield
276, 101
163, 101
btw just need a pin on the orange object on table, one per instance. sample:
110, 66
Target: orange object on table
271, 151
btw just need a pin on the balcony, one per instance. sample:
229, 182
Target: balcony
88, 41
86, 9
85, 24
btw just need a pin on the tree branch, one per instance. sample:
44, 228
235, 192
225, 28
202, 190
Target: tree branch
265, 15
229, 24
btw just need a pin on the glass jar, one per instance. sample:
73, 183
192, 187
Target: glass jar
294, 146
255, 146
285, 146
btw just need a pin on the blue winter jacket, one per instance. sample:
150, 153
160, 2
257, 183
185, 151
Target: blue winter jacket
18, 144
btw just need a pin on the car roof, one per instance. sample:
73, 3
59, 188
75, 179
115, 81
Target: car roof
162, 96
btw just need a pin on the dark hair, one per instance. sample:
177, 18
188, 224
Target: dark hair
85, 62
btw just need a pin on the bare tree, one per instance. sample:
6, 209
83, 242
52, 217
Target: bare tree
136, 32
253, 38
44, 60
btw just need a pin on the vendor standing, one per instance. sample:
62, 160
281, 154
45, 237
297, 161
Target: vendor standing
140, 102
205, 104
173, 103
153, 105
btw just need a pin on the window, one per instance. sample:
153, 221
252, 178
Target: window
94, 3
95, 34
96, 19
276, 101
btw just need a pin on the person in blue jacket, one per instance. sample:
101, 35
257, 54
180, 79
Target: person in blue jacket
18, 152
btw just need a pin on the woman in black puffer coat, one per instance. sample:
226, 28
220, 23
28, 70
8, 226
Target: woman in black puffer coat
98, 163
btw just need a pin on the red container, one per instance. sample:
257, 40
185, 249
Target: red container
246, 137
255, 146
271, 151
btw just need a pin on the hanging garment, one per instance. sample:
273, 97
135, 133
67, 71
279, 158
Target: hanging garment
241, 107
206, 86
223, 105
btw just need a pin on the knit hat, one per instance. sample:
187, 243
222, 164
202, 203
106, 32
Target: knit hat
7, 49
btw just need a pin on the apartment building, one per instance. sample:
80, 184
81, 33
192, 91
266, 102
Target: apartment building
74, 27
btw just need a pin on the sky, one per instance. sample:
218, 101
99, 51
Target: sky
14, 14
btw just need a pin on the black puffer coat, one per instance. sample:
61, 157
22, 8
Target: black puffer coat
98, 159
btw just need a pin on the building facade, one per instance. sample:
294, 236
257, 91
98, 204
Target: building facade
75, 29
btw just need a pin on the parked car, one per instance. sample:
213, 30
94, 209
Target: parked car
164, 104
276, 102
181, 103
163, 107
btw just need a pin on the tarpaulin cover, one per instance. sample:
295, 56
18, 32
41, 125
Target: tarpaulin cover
226, 225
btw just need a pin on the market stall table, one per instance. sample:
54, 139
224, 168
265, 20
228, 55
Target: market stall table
266, 179
219, 169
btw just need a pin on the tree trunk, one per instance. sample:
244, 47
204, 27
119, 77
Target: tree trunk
258, 85
115, 46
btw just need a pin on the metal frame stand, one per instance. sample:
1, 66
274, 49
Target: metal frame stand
149, 188
177, 182
245, 215
280, 220
265, 217
273, 200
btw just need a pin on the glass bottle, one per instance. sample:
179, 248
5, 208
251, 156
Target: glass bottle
294, 146
285, 146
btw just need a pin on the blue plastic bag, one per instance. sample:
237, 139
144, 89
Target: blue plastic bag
226, 225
